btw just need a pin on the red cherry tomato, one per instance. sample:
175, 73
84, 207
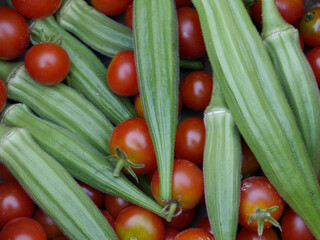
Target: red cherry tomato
6, 174
245, 234
249, 163
190, 139
114, 205
191, 43
3, 95
140, 223
291, 11
194, 234
313, 57
14, 34
170, 233
132, 136
129, 15
47, 63
182, 220
23, 228
50, 227
122, 76
108, 217
309, 27
14, 202
111, 7
95, 195
205, 224
187, 180
183, 3
293, 227
36, 8
196, 90
257, 192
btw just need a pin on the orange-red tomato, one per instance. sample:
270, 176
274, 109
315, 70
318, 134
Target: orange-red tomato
182, 220
129, 15
268, 234
194, 234
313, 57
111, 7
309, 27
114, 205
249, 163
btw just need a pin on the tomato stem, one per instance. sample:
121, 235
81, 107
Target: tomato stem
172, 205
310, 16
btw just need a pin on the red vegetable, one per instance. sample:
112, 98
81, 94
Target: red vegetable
111, 7
309, 27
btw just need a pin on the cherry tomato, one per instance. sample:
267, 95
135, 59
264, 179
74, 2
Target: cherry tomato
309, 27
293, 227
301, 42
47, 63
95, 195
36, 8
108, 217
249, 163
170, 233
205, 224
50, 227
183, 3
129, 15
191, 43
182, 220
132, 136
291, 10
111, 7
14, 34
114, 205
14, 202
6, 174
3, 95
23, 228
245, 234
196, 90
187, 180
190, 139
194, 234
122, 76
257, 192
138, 222
313, 57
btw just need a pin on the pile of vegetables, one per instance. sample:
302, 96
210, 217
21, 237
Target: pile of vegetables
198, 120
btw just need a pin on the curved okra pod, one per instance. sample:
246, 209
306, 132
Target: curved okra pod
222, 168
295, 73
51, 187
260, 109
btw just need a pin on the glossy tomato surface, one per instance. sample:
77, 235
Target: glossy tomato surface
23, 228
114, 205
205, 224
47, 63
258, 193
187, 180
111, 7
293, 227
110, 219
249, 163
313, 57
14, 202
14, 34
268, 234
309, 27
129, 15
196, 90
170, 233
3, 94
122, 76
96, 196
190, 139
36, 8
139, 223
132, 136
182, 220
194, 234
191, 43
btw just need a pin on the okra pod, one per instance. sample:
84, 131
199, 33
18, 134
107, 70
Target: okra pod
87, 73
77, 157
221, 168
156, 56
260, 109
298, 81
51, 187
58, 103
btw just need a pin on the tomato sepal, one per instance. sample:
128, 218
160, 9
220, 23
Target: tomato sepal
171, 207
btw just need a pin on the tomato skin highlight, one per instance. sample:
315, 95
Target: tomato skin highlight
194, 234
309, 27
36, 8
268, 234
95, 195
122, 76
111, 7
14, 34
187, 180
129, 15
191, 43
114, 205
140, 223
47, 63
313, 57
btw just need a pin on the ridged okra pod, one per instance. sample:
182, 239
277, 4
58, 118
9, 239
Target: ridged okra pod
156, 55
87, 73
51, 187
221, 168
100, 32
260, 109
58, 103
295, 73
80, 159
